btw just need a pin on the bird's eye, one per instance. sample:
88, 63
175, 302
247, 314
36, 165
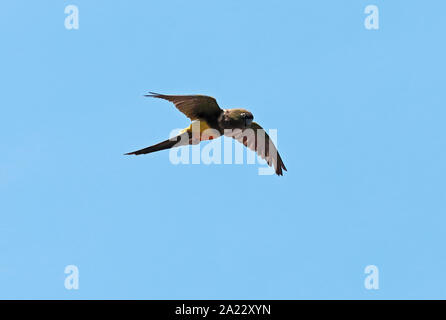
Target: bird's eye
243, 115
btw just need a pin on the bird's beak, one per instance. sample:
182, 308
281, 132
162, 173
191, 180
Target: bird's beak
248, 122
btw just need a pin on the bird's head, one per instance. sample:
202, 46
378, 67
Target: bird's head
240, 118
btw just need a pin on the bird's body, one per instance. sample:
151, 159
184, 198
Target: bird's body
203, 127
207, 117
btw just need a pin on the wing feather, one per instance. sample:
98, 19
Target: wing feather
256, 139
195, 107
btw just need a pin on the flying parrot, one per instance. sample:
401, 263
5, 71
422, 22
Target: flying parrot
235, 123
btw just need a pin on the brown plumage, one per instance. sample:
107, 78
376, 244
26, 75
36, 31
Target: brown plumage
235, 123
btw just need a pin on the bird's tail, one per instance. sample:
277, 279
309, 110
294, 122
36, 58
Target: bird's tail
180, 140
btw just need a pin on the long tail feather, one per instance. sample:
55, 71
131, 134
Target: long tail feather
180, 140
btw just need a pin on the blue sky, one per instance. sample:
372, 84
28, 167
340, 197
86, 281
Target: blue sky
360, 119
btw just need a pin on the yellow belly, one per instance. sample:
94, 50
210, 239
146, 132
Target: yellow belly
194, 128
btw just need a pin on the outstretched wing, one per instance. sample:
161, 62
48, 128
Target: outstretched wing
256, 139
195, 107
